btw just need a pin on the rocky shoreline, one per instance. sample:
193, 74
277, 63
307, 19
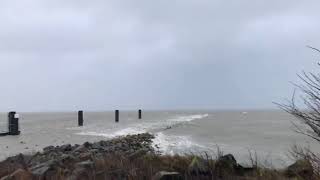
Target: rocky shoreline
132, 157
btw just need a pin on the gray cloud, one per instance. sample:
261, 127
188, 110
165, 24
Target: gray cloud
96, 55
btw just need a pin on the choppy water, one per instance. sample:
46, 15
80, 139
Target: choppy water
269, 133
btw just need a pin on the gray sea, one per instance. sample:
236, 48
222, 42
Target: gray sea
269, 134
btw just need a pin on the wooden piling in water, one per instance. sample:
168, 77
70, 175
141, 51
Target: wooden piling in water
140, 114
13, 123
80, 118
117, 116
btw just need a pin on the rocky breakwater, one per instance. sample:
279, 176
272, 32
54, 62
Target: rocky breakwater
87, 161
133, 157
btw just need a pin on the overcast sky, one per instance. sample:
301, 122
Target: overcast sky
165, 54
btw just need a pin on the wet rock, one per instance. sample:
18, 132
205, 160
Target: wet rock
87, 144
19, 174
49, 148
81, 148
163, 175
301, 168
66, 147
44, 169
67, 159
77, 160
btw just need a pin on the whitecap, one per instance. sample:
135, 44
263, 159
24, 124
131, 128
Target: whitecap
141, 127
172, 144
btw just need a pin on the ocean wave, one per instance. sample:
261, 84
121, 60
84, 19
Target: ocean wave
173, 144
122, 132
188, 118
152, 127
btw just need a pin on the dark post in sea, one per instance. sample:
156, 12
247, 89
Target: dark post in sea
80, 118
140, 114
13, 123
117, 116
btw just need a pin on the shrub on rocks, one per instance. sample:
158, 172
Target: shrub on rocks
301, 168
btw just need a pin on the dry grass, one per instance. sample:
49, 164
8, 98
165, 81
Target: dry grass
141, 163
119, 166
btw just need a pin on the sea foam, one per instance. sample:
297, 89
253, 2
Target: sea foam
144, 126
173, 144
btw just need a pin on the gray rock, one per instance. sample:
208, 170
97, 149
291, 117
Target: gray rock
97, 146
66, 147
67, 159
42, 169
49, 148
87, 144
85, 164
81, 148
94, 151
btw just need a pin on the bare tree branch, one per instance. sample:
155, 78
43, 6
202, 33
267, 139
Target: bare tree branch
313, 48
309, 116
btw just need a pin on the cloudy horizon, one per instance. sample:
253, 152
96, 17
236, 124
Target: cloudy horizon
183, 54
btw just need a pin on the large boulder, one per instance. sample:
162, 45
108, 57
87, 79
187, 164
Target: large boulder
301, 168
163, 175
45, 170
66, 147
